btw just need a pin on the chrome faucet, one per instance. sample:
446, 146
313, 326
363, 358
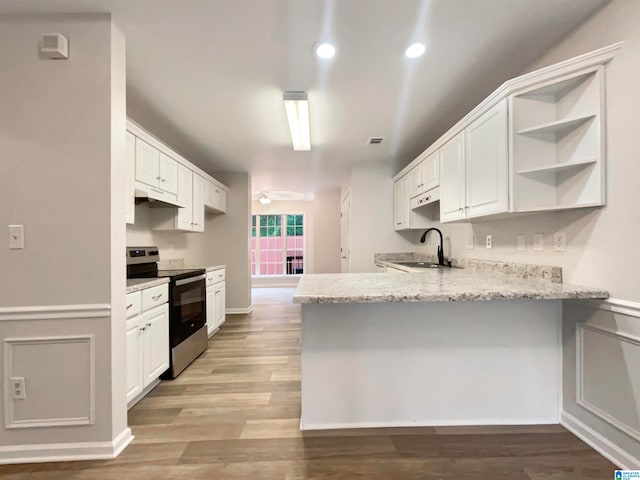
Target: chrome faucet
440, 248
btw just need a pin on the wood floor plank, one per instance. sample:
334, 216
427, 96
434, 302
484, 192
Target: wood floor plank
235, 414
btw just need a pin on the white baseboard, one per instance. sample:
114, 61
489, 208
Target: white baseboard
439, 423
143, 393
599, 443
239, 311
65, 452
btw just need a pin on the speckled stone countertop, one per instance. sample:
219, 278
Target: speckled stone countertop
137, 284
214, 268
433, 285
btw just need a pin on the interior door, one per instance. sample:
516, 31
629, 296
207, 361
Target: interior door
345, 234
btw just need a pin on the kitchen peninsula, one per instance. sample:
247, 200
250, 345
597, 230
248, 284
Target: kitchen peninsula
441, 346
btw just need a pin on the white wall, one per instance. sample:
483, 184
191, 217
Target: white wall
172, 245
63, 177
602, 243
327, 231
226, 239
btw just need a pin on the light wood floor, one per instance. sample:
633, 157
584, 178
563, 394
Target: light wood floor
234, 414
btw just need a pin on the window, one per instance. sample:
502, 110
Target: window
277, 244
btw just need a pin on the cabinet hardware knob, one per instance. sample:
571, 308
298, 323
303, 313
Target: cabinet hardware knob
157, 178
428, 198
157, 297
142, 329
129, 306
460, 209
163, 180
148, 324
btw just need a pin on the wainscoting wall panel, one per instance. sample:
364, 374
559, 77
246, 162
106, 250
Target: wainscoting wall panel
601, 377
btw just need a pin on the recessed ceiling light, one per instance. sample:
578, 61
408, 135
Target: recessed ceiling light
325, 50
415, 50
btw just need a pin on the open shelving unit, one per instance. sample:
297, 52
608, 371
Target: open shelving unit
557, 143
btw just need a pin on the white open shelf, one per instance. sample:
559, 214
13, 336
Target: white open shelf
558, 167
557, 126
557, 147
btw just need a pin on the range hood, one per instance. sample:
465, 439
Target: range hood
155, 198
426, 198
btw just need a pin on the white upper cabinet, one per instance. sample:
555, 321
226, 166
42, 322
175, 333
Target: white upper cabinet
164, 177
424, 176
185, 197
487, 164
215, 198
535, 144
147, 163
401, 203
131, 180
198, 203
452, 180
168, 173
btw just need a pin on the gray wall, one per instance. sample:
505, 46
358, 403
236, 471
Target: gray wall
227, 239
63, 177
327, 231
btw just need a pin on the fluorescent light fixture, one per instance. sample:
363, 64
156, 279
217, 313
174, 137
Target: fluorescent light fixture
297, 108
264, 199
416, 50
325, 50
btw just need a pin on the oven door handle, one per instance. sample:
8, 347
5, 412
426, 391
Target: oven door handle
191, 280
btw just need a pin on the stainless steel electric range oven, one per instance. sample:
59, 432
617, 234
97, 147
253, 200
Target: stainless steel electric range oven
187, 306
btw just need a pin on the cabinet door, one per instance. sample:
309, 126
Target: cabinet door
198, 203
220, 305
401, 204
156, 344
220, 201
430, 172
209, 194
416, 182
130, 214
147, 163
212, 318
135, 359
185, 197
487, 163
168, 174
452, 180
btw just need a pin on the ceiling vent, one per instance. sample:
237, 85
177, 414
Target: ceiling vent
375, 141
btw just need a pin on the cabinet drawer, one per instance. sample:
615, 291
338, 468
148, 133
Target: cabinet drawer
134, 304
152, 297
216, 276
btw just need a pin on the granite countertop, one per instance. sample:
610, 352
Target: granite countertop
433, 285
137, 284
214, 268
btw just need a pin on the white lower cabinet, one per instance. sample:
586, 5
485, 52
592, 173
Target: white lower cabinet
216, 300
147, 341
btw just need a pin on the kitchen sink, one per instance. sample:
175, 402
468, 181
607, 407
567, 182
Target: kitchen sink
422, 265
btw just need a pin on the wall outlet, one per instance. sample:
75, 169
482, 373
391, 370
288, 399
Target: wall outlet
560, 242
470, 242
489, 243
522, 242
18, 390
538, 242
16, 237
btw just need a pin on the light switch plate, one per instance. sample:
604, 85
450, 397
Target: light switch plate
522, 242
560, 242
16, 237
489, 241
538, 242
